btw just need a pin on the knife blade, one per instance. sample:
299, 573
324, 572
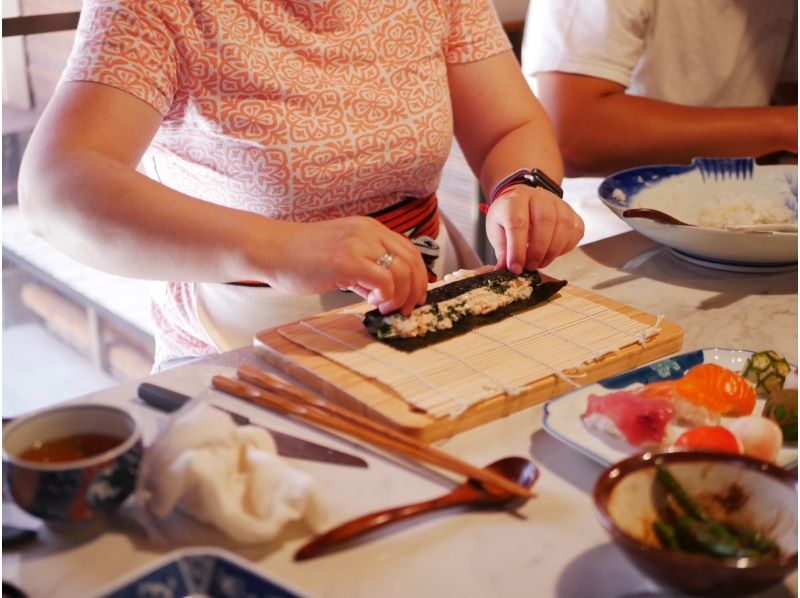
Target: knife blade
287, 445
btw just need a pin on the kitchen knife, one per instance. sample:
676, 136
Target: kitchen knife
168, 400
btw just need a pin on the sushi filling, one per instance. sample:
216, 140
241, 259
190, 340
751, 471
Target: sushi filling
444, 314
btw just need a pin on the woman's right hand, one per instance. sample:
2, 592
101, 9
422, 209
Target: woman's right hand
343, 254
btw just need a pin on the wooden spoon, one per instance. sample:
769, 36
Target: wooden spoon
471, 493
654, 215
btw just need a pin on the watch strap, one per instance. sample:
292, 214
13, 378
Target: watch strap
533, 178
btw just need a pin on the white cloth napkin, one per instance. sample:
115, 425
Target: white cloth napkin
223, 474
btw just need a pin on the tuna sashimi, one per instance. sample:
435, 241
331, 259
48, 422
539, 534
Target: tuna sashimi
639, 421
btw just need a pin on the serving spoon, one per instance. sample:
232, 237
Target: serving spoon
664, 218
471, 493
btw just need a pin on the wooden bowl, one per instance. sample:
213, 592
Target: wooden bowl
734, 488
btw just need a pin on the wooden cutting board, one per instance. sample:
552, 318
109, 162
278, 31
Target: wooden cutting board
378, 401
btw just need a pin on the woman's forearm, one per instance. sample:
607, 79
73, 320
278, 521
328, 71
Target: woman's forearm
499, 124
105, 214
79, 189
502, 128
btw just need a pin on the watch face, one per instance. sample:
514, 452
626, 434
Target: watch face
545, 181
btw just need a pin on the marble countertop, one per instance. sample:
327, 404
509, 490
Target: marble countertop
551, 546
716, 308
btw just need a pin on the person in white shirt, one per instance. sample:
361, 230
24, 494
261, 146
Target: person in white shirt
634, 82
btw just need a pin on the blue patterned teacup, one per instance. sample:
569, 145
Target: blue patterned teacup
72, 464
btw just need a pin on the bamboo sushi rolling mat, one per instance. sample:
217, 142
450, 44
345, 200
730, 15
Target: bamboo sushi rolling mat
573, 339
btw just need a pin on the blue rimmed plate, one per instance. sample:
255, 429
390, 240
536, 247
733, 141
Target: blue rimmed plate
562, 416
198, 572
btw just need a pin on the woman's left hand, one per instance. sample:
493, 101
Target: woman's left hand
530, 227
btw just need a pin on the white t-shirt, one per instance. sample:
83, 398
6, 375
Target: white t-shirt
710, 53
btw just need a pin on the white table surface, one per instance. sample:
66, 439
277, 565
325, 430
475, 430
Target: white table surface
552, 546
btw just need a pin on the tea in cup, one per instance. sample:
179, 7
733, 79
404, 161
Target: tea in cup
74, 463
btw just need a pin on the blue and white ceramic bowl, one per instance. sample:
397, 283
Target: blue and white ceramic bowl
198, 572
77, 491
712, 193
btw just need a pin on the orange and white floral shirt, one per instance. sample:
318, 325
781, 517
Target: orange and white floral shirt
299, 110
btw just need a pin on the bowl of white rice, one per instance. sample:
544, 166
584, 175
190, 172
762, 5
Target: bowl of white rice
713, 194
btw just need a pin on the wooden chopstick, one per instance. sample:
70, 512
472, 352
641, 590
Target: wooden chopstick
310, 413
309, 407
272, 383
268, 382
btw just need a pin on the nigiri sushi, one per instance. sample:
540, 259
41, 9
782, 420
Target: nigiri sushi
709, 438
760, 437
626, 415
719, 390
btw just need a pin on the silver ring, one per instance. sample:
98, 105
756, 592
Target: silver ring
385, 261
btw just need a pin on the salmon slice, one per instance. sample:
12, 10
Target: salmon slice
708, 385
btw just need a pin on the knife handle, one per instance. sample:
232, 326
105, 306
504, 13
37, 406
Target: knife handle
162, 398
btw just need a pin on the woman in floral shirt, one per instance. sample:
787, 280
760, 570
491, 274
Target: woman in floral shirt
296, 144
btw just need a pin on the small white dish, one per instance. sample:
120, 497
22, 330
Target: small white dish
695, 193
562, 415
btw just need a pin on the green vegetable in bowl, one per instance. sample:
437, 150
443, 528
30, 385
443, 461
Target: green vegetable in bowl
781, 407
688, 527
766, 370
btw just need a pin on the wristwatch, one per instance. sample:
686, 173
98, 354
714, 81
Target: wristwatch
532, 178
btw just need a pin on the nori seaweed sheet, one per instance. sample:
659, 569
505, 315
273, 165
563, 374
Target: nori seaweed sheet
544, 288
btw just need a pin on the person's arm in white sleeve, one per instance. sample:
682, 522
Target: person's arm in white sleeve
601, 129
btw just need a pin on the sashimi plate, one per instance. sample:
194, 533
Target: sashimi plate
562, 416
